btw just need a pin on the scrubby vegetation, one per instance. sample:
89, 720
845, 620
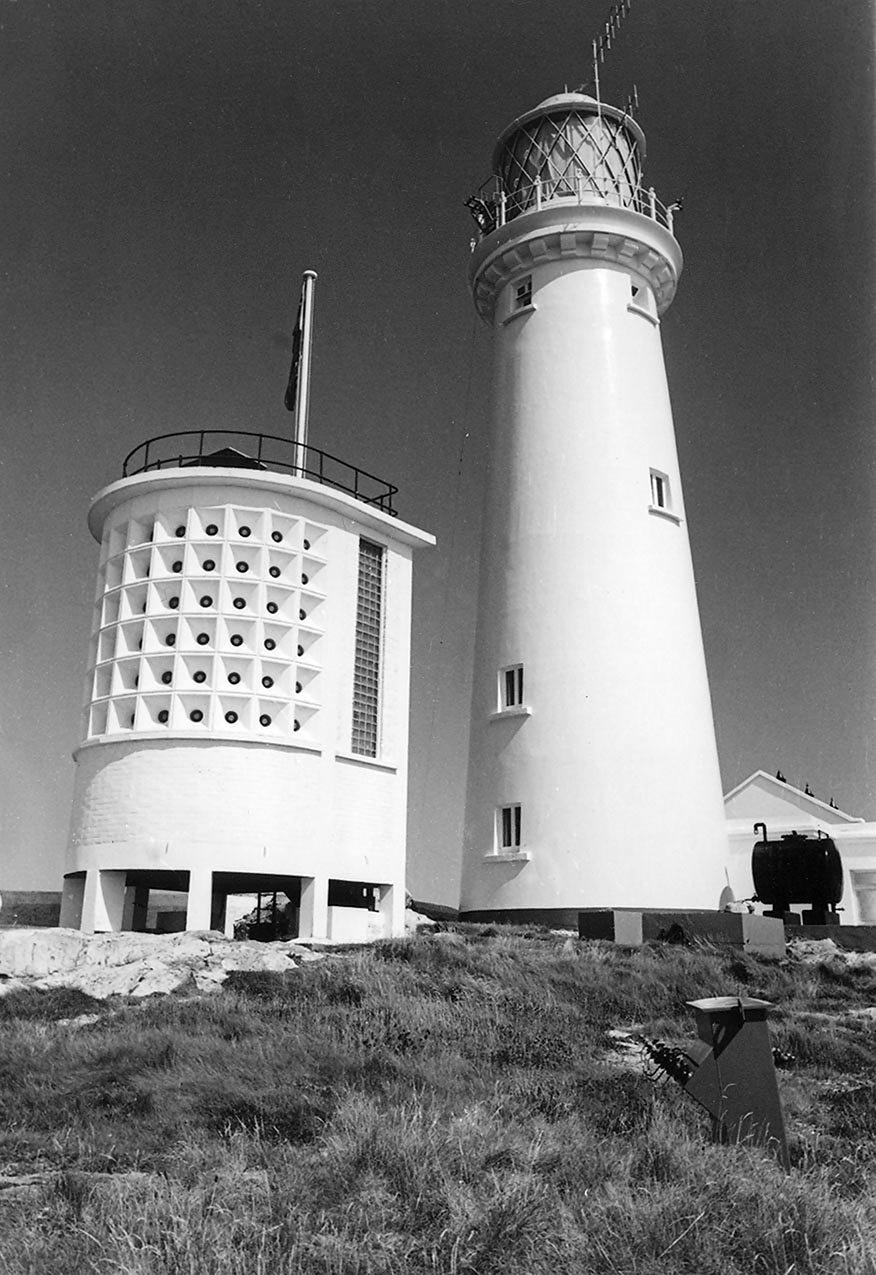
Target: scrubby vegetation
450, 1104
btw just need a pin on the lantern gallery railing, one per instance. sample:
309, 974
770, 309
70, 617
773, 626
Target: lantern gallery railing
239, 449
494, 208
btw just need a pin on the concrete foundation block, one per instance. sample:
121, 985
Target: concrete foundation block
630, 928
616, 926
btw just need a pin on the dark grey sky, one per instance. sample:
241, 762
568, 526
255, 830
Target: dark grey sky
170, 169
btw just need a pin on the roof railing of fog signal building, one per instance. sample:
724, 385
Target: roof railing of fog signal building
243, 449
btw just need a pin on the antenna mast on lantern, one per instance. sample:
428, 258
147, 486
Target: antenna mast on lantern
602, 43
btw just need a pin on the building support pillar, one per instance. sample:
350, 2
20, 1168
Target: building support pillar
218, 908
103, 905
72, 898
392, 910
200, 905
140, 910
313, 913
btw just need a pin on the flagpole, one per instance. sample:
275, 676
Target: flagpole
302, 388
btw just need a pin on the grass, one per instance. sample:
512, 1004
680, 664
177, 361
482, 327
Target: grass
449, 1105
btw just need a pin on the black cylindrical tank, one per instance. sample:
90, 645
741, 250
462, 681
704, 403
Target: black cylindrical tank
797, 868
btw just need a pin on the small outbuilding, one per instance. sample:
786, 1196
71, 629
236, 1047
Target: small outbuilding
764, 798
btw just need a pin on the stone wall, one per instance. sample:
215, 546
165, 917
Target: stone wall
31, 908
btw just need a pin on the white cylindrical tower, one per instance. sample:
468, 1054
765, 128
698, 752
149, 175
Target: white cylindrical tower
246, 713
593, 776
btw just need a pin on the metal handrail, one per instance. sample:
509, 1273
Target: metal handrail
303, 461
495, 207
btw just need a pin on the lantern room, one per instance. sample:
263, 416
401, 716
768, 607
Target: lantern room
570, 147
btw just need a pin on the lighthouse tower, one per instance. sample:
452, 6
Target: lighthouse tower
593, 777
246, 703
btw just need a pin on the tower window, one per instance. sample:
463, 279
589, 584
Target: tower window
511, 686
509, 827
366, 667
523, 293
660, 490
642, 300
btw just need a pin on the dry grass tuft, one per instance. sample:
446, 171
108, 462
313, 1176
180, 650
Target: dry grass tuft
441, 1105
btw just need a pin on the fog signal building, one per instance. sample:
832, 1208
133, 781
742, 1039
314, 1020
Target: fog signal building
246, 712
593, 777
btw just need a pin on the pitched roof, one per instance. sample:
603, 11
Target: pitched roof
796, 797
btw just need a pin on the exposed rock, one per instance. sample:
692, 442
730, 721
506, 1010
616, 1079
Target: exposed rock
8, 985
131, 964
812, 950
416, 922
161, 979
134, 978
255, 956
211, 977
81, 1020
35, 952
817, 951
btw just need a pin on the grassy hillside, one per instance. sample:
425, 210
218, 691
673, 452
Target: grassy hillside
448, 1104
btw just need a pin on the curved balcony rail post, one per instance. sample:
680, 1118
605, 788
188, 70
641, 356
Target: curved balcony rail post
242, 449
493, 206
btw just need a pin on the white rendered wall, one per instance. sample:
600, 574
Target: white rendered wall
614, 761
280, 796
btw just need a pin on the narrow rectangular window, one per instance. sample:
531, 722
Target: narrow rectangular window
523, 293
511, 686
510, 827
659, 490
366, 664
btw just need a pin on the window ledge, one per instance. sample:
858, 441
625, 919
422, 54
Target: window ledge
664, 513
378, 763
632, 308
516, 314
508, 856
519, 710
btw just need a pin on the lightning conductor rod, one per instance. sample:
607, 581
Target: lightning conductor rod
302, 388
